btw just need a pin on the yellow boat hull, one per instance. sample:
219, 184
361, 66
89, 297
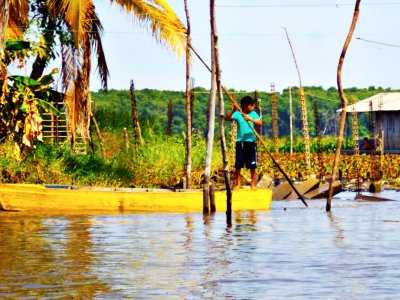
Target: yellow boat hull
39, 198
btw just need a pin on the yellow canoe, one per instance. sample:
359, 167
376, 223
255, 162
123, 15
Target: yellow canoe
47, 199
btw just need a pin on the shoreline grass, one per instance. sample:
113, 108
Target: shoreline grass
160, 162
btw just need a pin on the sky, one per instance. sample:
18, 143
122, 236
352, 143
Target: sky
254, 50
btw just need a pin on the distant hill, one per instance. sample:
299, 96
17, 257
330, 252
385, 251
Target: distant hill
113, 110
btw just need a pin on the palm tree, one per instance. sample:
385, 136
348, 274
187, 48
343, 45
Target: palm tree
79, 30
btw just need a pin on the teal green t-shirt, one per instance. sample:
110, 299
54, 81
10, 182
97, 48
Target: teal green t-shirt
244, 132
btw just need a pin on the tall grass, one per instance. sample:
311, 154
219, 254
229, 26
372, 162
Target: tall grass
160, 162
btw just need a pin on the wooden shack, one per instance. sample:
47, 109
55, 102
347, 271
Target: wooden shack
386, 110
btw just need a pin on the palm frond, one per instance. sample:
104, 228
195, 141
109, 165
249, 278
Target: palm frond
162, 21
67, 66
17, 18
95, 37
74, 14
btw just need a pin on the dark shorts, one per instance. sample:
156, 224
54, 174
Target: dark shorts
246, 154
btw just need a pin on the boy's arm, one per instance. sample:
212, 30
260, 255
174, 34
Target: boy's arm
228, 117
257, 121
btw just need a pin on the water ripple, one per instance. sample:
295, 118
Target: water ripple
290, 251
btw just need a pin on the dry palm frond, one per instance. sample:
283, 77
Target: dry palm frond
74, 14
17, 18
82, 22
76, 77
95, 37
163, 21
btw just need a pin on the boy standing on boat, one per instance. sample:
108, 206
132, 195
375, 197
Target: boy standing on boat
246, 146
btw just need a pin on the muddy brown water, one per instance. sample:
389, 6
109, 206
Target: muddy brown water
288, 252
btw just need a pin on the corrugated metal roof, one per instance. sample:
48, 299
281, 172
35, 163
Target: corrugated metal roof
382, 101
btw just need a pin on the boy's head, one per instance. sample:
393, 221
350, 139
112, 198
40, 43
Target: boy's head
245, 101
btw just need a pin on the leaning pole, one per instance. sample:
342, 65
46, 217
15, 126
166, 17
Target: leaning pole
344, 104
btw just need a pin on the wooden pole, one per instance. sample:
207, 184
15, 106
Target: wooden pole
303, 111
169, 118
319, 140
98, 134
212, 198
344, 103
126, 138
210, 132
188, 162
136, 126
274, 114
291, 120
221, 118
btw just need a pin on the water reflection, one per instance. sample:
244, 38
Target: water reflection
43, 257
336, 226
289, 251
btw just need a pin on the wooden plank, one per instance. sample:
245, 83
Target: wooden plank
371, 198
281, 191
323, 190
304, 187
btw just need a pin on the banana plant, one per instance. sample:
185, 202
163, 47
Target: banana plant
26, 98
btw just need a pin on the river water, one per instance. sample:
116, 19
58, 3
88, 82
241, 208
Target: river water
288, 252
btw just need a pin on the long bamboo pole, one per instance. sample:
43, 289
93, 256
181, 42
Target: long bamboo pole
344, 103
303, 111
255, 132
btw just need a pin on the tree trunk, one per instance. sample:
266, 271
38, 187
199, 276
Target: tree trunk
169, 118
136, 126
188, 163
4, 13
344, 104
40, 62
217, 70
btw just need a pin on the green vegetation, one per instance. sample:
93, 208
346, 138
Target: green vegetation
160, 161
113, 110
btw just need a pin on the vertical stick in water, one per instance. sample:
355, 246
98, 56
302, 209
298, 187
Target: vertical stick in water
344, 104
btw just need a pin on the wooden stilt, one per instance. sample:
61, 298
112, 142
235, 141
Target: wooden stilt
212, 198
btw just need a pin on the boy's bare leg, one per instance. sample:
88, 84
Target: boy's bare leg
253, 179
238, 181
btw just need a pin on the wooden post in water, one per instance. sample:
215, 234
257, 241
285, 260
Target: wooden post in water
189, 103
221, 119
210, 127
344, 104
212, 198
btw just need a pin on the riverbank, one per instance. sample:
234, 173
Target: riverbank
161, 164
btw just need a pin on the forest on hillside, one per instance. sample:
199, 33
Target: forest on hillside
114, 111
